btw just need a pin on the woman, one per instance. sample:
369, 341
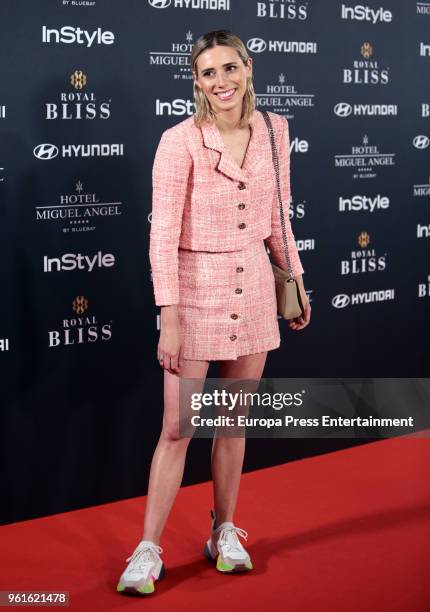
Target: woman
214, 204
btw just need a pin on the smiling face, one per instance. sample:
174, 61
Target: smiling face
222, 76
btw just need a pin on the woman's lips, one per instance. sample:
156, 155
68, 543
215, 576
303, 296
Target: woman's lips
225, 95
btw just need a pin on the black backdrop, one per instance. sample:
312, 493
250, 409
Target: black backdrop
81, 389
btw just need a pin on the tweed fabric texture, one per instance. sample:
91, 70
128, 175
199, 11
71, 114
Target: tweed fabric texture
211, 217
226, 303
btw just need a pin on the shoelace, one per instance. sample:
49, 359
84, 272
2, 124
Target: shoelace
143, 555
229, 535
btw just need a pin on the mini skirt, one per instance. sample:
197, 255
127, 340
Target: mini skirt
227, 303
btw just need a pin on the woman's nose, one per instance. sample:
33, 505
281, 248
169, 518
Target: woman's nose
220, 80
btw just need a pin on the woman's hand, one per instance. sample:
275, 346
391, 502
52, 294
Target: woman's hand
170, 343
304, 319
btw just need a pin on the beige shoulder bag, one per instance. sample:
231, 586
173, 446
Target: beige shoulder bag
288, 296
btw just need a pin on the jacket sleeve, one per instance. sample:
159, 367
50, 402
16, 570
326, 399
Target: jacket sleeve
170, 175
275, 240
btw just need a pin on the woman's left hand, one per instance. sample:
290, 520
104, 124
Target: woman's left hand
304, 319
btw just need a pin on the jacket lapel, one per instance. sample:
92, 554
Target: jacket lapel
226, 164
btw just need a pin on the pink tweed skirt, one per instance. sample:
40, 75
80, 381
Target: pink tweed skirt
227, 303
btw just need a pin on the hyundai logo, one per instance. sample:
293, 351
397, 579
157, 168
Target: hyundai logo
340, 300
256, 45
343, 109
160, 3
421, 142
45, 151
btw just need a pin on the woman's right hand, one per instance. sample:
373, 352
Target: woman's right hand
170, 343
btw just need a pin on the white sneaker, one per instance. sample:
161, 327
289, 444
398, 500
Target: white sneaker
144, 569
224, 547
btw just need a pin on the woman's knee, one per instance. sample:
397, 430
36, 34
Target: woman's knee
172, 433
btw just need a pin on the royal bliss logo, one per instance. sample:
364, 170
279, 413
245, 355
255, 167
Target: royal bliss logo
366, 71
78, 104
80, 329
424, 288
364, 259
291, 10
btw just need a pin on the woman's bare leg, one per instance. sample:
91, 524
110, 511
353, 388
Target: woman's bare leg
168, 461
228, 453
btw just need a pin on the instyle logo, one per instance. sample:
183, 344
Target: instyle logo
423, 231
366, 203
360, 12
72, 261
424, 50
177, 107
299, 146
70, 35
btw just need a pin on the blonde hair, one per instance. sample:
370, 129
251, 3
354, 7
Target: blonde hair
204, 111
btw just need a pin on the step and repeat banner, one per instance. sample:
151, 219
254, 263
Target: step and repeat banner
87, 89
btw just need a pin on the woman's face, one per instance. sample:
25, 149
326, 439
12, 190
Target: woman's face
222, 76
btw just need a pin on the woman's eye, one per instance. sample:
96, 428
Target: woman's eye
210, 73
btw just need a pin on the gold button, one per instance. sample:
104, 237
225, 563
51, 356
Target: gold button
238, 290
242, 225
239, 269
233, 337
241, 206
241, 185
234, 316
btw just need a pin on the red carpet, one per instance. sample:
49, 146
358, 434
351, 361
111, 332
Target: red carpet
345, 531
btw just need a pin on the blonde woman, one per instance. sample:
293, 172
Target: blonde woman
214, 209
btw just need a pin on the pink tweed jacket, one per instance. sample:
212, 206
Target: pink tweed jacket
202, 200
